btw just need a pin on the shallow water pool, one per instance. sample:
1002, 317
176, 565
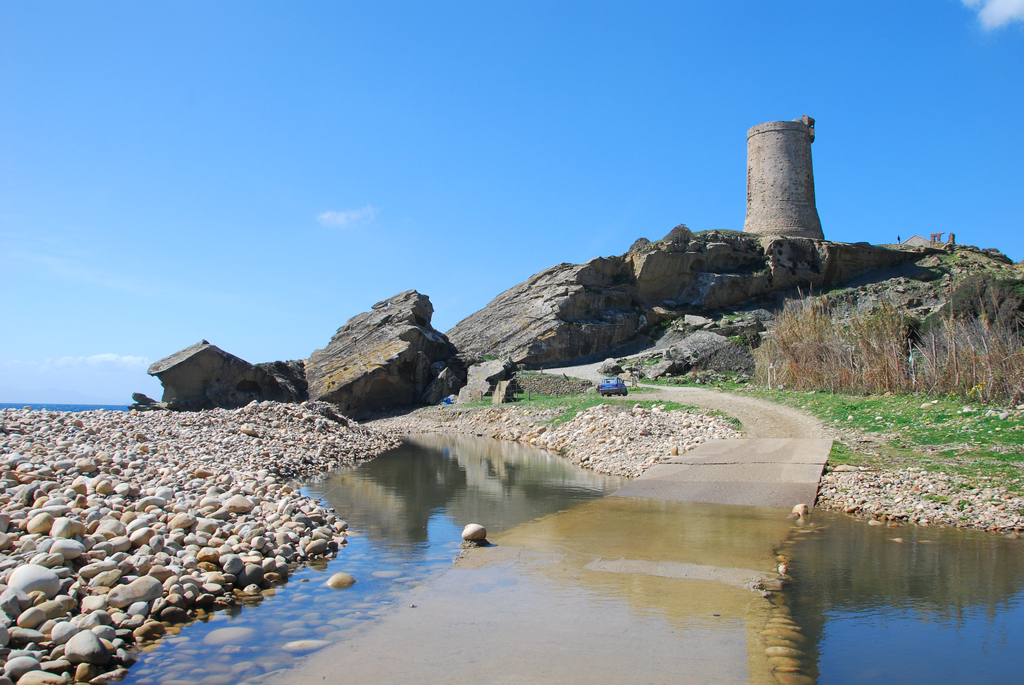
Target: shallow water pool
584, 587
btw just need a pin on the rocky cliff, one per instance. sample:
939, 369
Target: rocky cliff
383, 358
575, 312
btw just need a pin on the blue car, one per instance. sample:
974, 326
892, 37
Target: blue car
612, 386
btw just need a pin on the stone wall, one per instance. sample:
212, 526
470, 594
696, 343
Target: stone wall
549, 385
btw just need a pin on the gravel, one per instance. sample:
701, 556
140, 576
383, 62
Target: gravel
607, 438
921, 497
114, 526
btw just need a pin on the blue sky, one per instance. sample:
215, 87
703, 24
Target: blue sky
257, 173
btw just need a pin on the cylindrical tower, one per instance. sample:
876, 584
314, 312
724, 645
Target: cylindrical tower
780, 181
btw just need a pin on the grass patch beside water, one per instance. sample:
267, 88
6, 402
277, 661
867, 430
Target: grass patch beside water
571, 405
896, 431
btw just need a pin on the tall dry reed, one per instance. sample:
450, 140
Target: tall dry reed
878, 352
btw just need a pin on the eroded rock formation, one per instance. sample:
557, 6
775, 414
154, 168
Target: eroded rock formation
203, 376
575, 312
382, 358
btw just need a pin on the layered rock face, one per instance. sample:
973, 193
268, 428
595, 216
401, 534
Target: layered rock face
577, 312
203, 376
381, 358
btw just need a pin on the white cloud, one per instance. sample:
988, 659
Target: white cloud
996, 13
102, 378
101, 360
349, 217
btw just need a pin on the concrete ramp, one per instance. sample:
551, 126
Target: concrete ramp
768, 472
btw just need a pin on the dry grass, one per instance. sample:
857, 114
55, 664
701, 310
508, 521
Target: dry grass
879, 352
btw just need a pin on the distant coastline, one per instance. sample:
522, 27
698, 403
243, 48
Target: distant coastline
54, 406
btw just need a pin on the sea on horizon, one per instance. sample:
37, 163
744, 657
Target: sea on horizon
53, 406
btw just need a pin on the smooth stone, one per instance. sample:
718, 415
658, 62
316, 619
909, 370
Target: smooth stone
138, 609
106, 578
56, 608
253, 573
63, 631
141, 536
94, 603
182, 521
32, 618
13, 601
304, 646
144, 589
69, 549
232, 563
64, 528
784, 651
31, 578
229, 636
340, 581
25, 635
41, 678
86, 647
115, 676
317, 547
149, 631
474, 531
94, 569
85, 672
111, 528
19, 666
104, 633
40, 524
5, 637
239, 504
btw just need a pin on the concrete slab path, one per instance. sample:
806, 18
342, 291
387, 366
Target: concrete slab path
779, 463
773, 472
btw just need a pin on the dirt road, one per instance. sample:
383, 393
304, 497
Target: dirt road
760, 418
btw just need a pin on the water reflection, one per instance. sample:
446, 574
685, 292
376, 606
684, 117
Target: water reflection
586, 588
464, 479
908, 604
406, 510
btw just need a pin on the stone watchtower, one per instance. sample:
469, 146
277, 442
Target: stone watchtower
780, 181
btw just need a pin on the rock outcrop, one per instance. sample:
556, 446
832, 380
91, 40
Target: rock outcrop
581, 312
482, 378
703, 351
380, 359
203, 376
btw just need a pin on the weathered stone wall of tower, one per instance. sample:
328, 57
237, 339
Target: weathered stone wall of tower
780, 180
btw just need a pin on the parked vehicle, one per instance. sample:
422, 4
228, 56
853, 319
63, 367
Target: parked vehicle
612, 386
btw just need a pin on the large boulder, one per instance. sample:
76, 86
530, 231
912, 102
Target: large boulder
587, 312
446, 384
482, 378
381, 358
204, 376
706, 351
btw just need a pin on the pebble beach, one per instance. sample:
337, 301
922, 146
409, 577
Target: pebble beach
117, 527
921, 497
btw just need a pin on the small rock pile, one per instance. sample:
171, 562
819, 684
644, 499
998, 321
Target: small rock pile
619, 441
918, 496
607, 438
116, 526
